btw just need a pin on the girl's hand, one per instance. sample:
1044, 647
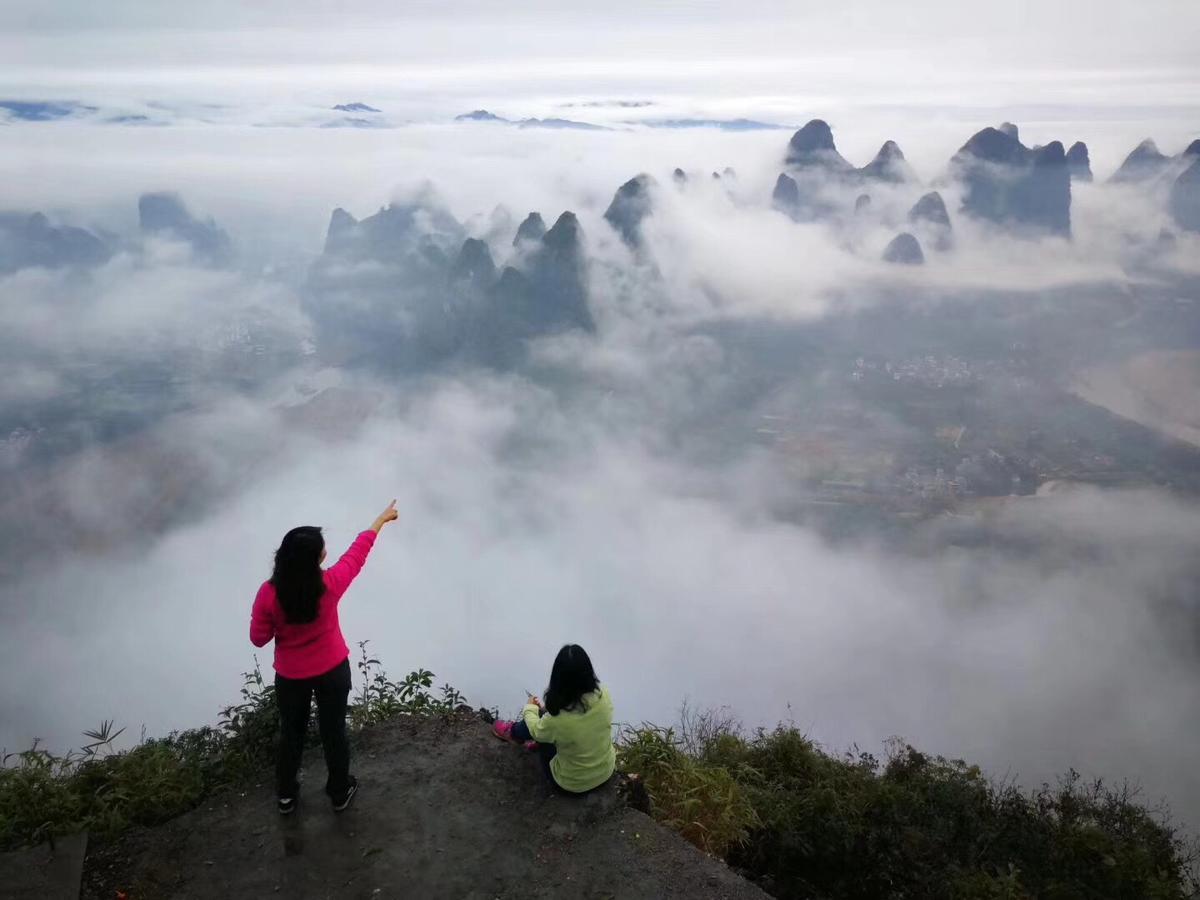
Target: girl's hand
534, 700
388, 515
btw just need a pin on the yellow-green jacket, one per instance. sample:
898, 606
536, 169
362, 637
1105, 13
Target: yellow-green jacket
585, 757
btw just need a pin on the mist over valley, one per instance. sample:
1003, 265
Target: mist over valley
767, 412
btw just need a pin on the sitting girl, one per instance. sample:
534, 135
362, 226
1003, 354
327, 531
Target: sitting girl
573, 730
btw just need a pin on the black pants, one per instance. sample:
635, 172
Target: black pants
546, 752
294, 696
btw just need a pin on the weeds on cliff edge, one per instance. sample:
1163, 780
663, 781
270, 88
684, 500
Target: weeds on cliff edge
801, 821
702, 802
379, 699
807, 823
104, 791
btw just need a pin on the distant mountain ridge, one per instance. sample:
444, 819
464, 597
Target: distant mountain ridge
721, 124
44, 110
483, 115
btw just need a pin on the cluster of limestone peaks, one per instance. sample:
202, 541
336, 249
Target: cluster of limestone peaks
996, 177
1002, 181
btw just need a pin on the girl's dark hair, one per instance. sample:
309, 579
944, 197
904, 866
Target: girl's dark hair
297, 577
571, 678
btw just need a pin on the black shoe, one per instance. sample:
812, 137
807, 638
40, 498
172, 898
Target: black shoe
287, 805
344, 801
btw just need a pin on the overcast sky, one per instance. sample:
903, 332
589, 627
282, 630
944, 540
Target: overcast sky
937, 52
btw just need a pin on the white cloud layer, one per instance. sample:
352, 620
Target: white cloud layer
525, 525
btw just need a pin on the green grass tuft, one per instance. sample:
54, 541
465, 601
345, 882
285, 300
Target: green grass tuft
700, 800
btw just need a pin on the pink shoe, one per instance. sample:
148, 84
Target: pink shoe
503, 730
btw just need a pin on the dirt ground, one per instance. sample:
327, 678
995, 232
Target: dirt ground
444, 810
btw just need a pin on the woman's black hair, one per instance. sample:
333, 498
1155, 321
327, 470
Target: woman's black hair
571, 678
297, 578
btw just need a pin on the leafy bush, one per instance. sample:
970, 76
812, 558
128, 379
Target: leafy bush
700, 801
248, 731
103, 791
849, 826
42, 795
380, 699
35, 798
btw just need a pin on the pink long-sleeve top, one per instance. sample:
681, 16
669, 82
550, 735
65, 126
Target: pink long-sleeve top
313, 648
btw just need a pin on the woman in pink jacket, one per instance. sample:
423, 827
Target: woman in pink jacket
298, 607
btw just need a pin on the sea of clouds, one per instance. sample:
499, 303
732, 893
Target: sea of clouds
596, 496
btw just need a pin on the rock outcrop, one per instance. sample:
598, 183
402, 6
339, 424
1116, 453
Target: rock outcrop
165, 215
1184, 199
812, 151
930, 209
888, 165
995, 146
557, 279
629, 208
340, 231
474, 265
812, 147
436, 782
547, 294
388, 287
930, 216
532, 229
1043, 197
816, 169
29, 240
399, 232
814, 166
1009, 184
904, 249
1143, 163
786, 195
1078, 162
408, 288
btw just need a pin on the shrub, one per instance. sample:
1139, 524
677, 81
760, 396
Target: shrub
380, 699
815, 824
36, 800
248, 730
701, 801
